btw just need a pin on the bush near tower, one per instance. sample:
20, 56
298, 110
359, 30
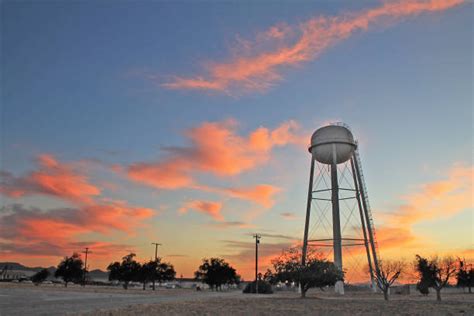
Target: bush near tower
315, 273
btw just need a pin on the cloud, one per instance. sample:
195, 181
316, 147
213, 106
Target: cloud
20, 223
288, 215
216, 148
52, 178
36, 233
244, 254
210, 208
434, 200
229, 224
168, 174
261, 194
40, 249
394, 237
438, 199
256, 65
278, 236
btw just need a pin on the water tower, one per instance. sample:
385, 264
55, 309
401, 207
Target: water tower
336, 177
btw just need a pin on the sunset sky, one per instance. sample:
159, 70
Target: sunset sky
187, 123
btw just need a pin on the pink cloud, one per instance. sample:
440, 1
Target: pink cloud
215, 148
438, 199
210, 208
35, 233
20, 223
52, 178
261, 194
259, 63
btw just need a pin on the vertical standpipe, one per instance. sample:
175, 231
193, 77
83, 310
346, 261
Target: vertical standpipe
336, 221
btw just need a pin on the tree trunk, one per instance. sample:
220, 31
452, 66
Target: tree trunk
65, 284
144, 286
469, 289
438, 295
303, 292
153, 285
385, 294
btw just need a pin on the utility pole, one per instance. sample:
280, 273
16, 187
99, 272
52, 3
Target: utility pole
257, 241
156, 259
85, 267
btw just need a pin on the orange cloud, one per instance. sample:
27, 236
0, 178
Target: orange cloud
52, 178
434, 200
35, 233
259, 63
438, 199
243, 255
394, 237
261, 194
217, 149
20, 223
169, 174
210, 208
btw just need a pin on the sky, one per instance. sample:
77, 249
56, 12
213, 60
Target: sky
187, 123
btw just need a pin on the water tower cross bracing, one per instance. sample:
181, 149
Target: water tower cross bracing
335, 179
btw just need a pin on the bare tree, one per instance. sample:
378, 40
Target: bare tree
445, 269
389, 271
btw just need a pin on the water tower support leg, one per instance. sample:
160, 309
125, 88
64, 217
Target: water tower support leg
364, 229
308, 213
336, 222
369, 227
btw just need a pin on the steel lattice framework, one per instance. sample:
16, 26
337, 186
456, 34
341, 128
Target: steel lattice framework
352, 233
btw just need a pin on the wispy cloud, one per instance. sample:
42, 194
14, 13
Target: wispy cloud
438, 199
288, 215
229, 224
243, 254
256, 65
277, 236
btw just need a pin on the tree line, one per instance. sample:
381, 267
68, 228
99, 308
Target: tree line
215, 272
317, 272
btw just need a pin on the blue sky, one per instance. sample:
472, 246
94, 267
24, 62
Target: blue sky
76, 85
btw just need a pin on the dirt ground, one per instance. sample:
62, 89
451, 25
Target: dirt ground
315, 304
27, 299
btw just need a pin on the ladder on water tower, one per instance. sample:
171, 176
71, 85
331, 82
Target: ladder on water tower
366, 199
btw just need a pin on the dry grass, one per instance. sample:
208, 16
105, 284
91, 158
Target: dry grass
315, 304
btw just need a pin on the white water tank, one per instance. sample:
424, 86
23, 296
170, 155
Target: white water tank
332, 140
